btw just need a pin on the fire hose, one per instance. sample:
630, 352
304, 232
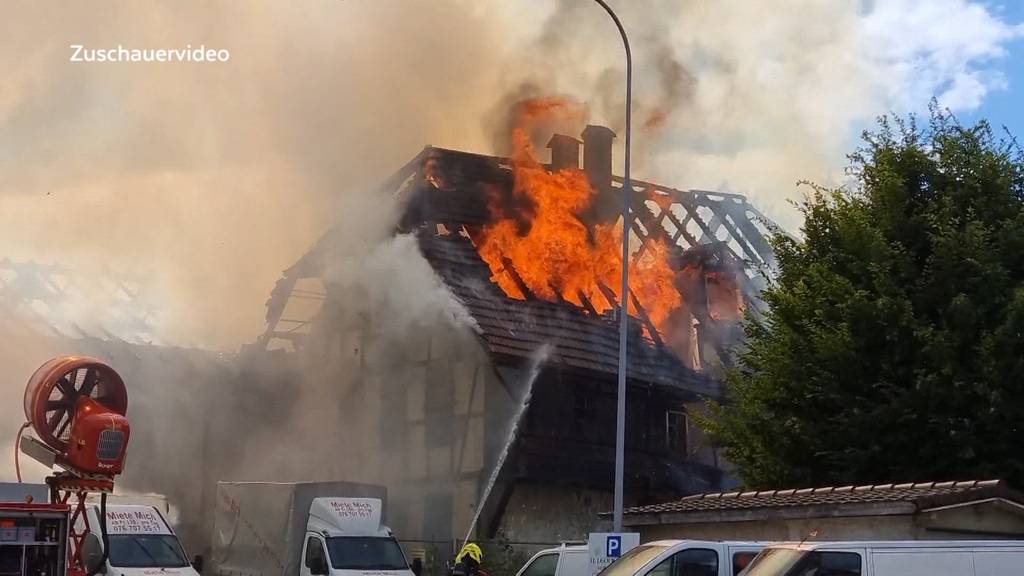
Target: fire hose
17, 444
103, 534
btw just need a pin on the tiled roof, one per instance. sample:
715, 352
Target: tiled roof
517, 328
921, 495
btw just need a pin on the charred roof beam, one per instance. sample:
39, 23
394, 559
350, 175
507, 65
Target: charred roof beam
642, 313
510, 270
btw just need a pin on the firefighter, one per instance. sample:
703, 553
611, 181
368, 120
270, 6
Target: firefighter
467, 562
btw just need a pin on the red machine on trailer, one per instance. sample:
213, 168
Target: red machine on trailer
76, 406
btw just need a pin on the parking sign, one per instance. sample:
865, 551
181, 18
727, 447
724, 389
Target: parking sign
613, 549
606, 547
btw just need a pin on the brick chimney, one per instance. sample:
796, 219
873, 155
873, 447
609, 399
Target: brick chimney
565, 152
597, 163
597, 157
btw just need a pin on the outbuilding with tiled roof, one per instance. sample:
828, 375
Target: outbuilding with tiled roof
975, 509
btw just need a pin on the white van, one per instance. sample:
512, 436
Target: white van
662, 558
913, 558
685, 558
141, 541
562, 561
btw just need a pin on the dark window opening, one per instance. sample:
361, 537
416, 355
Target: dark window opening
585, 410
676, 426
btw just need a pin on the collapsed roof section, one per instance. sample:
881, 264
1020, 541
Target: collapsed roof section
59, 301
717, 240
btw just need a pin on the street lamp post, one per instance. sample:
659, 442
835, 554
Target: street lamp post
620, 416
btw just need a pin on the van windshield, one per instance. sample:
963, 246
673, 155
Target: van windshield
365, 553
633, 560
146, 551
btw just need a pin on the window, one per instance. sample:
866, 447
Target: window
440, 431
438, 404
575, 562
664, 568
146, 551
789, 562
585, 409
691, 562
633, 560
774, 562
316, 559
675, 431
828, 564
392, 430
437, 516
741, 560
366, 553
695, 562
542, 566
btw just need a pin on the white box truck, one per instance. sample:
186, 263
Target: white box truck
303, 529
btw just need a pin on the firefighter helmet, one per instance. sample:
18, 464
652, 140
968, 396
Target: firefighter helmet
472, 551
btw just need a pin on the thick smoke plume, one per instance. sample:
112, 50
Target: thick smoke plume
207, 180
211, 178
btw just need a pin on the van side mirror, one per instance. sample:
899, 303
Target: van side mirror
92, 554
417, 566
197, 562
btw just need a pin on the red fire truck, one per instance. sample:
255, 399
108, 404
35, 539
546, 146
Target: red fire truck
33, 532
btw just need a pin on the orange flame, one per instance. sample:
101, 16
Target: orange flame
555, 255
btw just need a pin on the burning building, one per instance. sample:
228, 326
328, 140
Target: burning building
529, 255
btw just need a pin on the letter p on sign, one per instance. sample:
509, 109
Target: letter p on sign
614, 547
606, 547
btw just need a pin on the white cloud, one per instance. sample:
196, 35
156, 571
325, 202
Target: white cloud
944, 48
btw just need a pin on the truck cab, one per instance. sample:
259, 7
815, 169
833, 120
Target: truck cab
345, 537
141, 543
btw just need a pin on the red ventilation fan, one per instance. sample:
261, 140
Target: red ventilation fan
77, 406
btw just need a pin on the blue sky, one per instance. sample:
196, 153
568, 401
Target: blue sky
1006, 107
